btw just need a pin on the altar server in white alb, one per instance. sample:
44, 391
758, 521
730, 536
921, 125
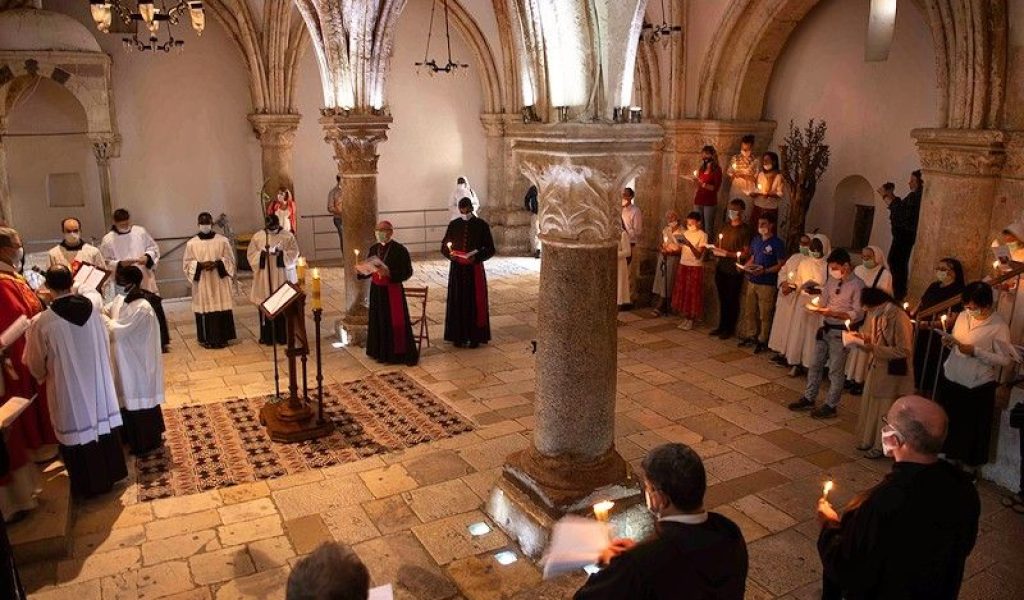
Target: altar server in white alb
72, 251
138, 366
67, 348
273, 254
127, 245
209, 266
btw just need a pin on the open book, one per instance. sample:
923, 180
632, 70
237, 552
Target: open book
280, 299
89, 278
370, 265
852, 339
381, 592
14, 331
575, 543
461, 254
12, 408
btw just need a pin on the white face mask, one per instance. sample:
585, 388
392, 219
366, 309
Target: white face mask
466, 216
763, 230
942, 276
72, 238
124, 229
647, 500
890, 442
205, 228
836, 273
973, 313
734, 214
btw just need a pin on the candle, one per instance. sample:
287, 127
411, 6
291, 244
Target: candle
300, 268
995, 265
601, 510
847, 324
816, 301
695, 173
357, 254
906, 306
316, 289
826, 489
791, 275
943, 319
720, 236
449, 246
664, 239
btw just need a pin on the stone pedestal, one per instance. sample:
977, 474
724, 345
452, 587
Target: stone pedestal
106, 148
354, 139
579, 171
277, 137
961, 172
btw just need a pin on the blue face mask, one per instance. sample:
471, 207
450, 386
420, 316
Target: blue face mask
870, 264
815, 254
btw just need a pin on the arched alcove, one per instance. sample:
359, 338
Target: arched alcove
855, 212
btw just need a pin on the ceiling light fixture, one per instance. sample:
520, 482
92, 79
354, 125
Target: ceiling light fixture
148, 15
430, 63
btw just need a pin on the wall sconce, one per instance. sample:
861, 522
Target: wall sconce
635, 114
563, 113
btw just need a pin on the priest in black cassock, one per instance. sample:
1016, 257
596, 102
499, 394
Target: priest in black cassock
10, 581
467, 244
389, 335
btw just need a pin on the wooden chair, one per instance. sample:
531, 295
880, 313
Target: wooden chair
419, 293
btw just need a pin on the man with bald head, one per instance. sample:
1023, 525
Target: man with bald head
909, 536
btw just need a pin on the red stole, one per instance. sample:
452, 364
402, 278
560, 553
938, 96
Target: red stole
480, 283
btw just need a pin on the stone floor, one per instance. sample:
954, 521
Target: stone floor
406, 514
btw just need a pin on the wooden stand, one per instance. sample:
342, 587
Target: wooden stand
294, 420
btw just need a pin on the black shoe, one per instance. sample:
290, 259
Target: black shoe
759, 348
725, 335
797, 371
715, 331
824, 412
801, 404
536, 254
746, 343
473, 345
780, 360
856, 389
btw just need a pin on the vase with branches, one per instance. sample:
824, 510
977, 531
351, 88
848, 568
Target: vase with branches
804, 160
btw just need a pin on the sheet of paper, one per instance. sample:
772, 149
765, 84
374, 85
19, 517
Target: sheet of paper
14, 331
279, 298
11, 409
851, 339
381, 592
575, 543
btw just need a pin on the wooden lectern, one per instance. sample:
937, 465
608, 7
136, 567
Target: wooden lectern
293, 419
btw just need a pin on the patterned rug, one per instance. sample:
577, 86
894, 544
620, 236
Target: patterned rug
219, 445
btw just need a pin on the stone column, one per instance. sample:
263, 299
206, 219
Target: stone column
503, 206
579, 171
106, 148
276, 134
961, 171
5, 188
354, 139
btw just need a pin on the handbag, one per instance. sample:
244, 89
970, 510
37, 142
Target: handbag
1017, 416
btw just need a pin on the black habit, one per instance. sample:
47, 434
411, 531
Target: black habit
389, 334
467, 320
10, 582
158, 307
907, 538
693, 561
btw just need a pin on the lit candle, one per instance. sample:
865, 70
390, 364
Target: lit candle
816, 301
720, 236
995, 265
943, 319
791, 275
847, 324
906, 306
601, 510
317, 305
300, 268
357, 254
695, 173
449, 246
826, 489
664, 239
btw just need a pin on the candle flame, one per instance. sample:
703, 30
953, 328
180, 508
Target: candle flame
816, 300
826, 489
906, 306
316, 273
601, 510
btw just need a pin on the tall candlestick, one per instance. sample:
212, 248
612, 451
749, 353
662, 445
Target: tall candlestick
317, 305
601, 510
300, 268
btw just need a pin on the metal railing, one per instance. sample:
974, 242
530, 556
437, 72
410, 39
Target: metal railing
421, 231
940, 316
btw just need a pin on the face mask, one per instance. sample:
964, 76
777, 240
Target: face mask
835, 273
205, 228
763, 230
72, 238
382, 236
805, 250
19, 256
890, 442
815, 254
734, 214
124, 229
973, 313
870, 264
467, 216
767, 167
1013, 245
942, 276
647, 500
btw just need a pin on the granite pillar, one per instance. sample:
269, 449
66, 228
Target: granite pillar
104, 149
355, 139
961, 170
579, 171
276, 134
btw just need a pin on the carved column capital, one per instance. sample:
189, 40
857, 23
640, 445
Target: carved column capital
105, 148
275, 130
969, 152
690, 135
355, 139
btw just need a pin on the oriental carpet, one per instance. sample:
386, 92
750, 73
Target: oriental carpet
218, 445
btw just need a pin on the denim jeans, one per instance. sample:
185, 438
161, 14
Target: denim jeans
828, 350
337, 225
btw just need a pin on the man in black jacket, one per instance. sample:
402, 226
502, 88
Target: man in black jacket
693, 554
908, 537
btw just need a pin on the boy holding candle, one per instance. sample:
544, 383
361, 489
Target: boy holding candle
762, 268
733, 242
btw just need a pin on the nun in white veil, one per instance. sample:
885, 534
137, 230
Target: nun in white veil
813, 272
462, 190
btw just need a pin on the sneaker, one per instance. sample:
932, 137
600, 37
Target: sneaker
801, 404
760, 347
824, 412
